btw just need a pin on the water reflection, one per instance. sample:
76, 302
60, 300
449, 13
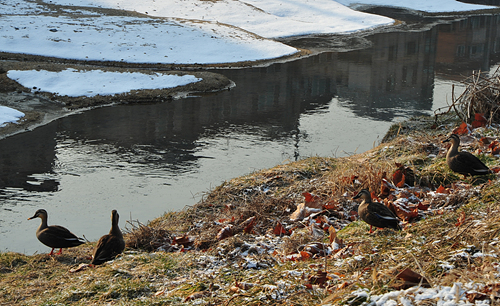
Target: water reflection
147, 159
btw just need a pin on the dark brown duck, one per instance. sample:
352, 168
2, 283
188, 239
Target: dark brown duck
111, 245
54, 236
463, 162
374, 213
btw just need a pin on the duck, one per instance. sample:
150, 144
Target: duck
55, 236
111, 245
464, 162
374, 213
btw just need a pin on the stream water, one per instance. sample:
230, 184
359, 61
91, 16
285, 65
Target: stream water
144, 160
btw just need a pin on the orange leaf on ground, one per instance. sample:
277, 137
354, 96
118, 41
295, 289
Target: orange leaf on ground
484, 140
423, 205
404, 213
330, 205
183, 240
248, 224
463, 129
305, 255
333, 234
495, 169
410, 279
319, 278
441, 189
353, 215
309, 197
494, 146
225, 232
398, 178
462, 219
279, 230
479, 121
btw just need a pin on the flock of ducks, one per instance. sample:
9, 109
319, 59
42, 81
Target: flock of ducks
378, 215
58, 237
373, 213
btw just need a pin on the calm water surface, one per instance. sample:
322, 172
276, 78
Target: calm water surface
144, 160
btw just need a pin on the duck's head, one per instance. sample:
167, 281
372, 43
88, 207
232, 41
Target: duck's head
114, 216
41, 213
454, 139
364, 194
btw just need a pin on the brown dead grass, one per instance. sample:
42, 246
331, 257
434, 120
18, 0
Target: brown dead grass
481, 96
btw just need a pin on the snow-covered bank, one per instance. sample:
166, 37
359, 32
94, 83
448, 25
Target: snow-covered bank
267, 18
441, 6
134, 40
8, 114
74, 83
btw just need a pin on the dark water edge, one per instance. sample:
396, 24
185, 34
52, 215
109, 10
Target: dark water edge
147, 159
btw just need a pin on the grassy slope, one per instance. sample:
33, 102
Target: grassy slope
253, 268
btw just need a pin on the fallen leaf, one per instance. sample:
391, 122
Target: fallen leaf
494, 146
299, 213
333, 234
81, 267
185, 241
424, 205
248, 224
410, 279
315, 248
319, 278
398, 178
443, 190
479, 120
353, 215
461, 219
330, 205
316, 231
244, 286
279, 230
311, 200
305, 255
225, 232
404, 213
197, 295
463, 129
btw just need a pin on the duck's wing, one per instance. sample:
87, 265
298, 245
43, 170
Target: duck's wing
382, 211
470, 163
108, 247
58, 237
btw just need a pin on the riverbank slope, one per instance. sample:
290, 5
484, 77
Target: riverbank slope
290, 234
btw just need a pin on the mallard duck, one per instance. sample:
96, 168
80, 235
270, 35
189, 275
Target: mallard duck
463, 162
54, 236
374, 213
110, 245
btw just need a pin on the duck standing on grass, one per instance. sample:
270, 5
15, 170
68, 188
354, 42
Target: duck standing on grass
463, 162
111, 245
54, 236
374, 213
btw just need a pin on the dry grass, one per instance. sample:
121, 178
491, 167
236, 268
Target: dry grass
481, 95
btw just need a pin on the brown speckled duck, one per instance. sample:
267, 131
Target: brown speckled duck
110, 245
54, 236
374, 213
463, 162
